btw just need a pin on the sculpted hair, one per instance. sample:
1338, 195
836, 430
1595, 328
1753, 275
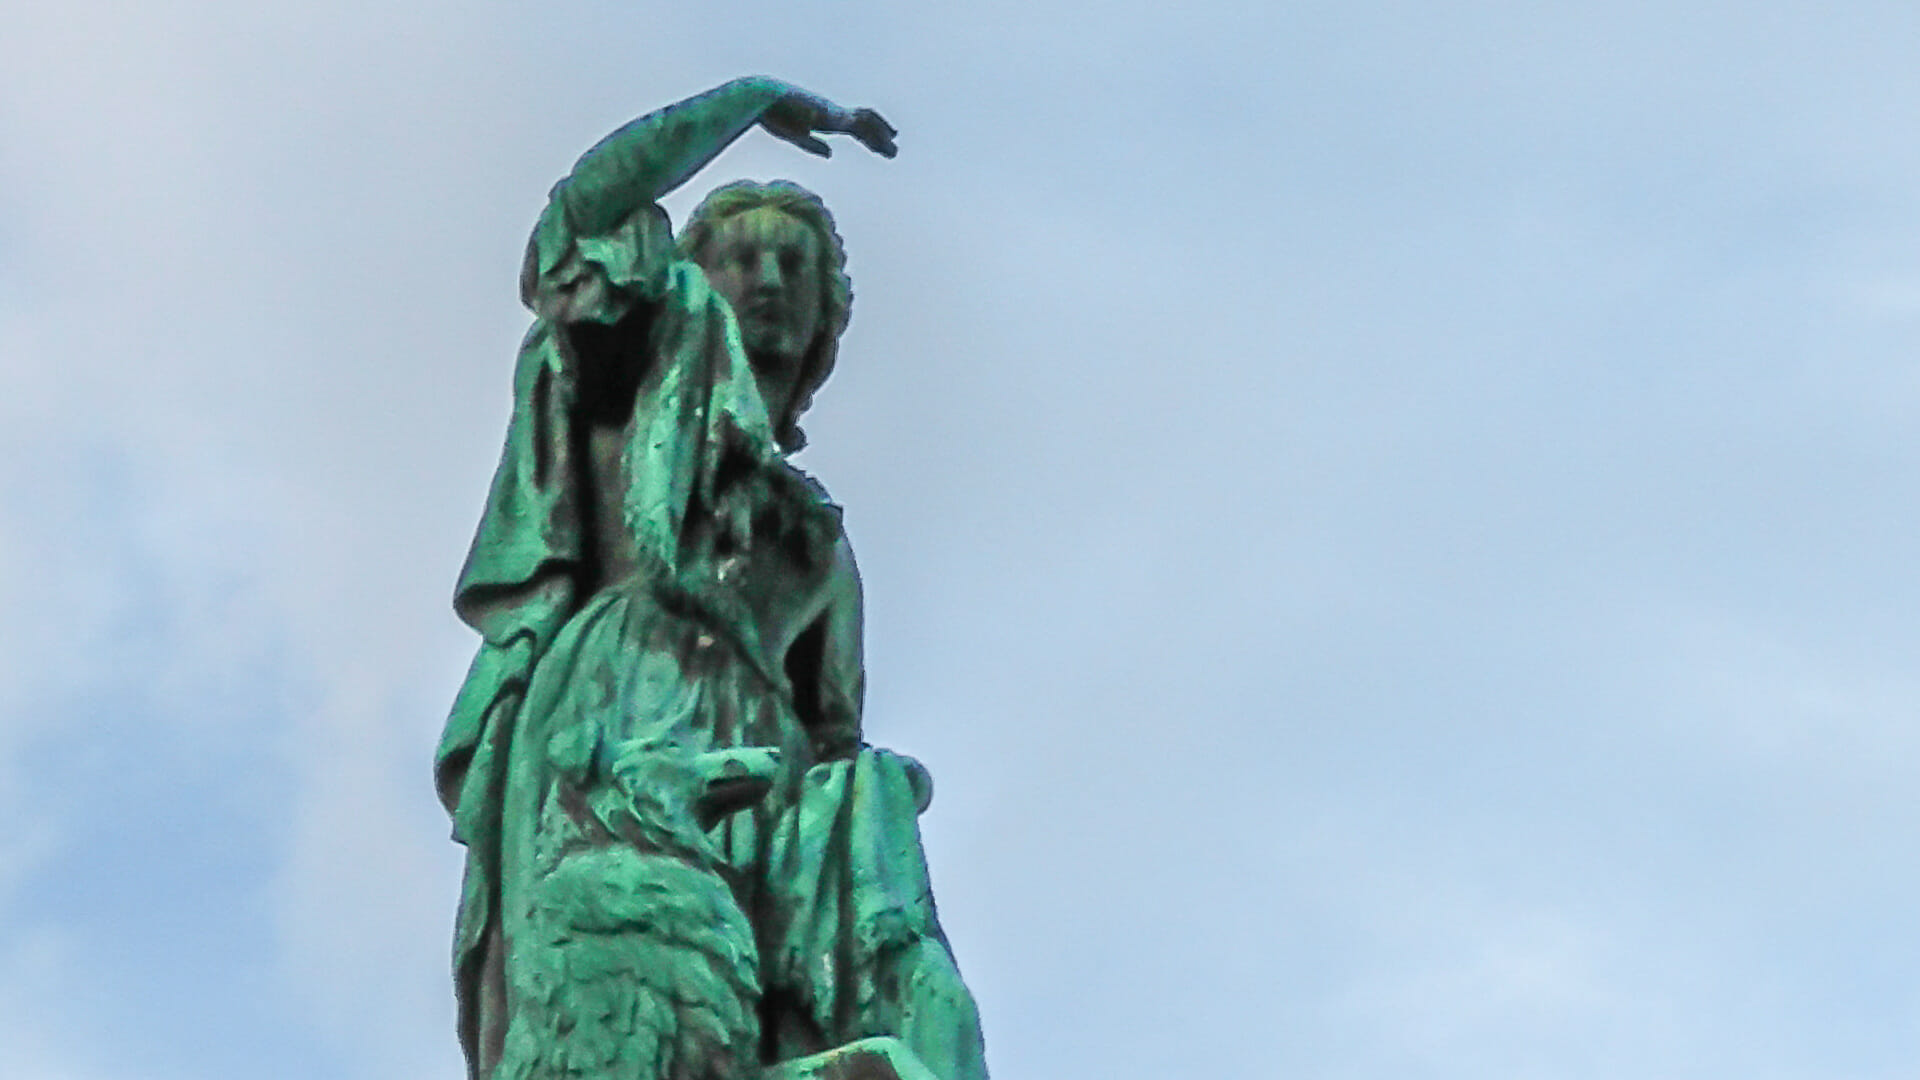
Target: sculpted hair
836, 303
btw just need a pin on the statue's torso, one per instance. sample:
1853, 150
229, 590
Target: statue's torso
781, 591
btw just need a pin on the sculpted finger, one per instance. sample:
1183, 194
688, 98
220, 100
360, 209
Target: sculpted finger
879, 121
873, 130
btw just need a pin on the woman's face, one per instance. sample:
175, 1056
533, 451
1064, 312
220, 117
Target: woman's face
767, 265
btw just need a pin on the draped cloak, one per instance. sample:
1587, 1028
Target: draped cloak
848, 931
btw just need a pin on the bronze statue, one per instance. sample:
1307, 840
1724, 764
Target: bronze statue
683, 861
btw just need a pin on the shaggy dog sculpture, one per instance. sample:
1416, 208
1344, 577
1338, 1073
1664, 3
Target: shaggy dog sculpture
637, 962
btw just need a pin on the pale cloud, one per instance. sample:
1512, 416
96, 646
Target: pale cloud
1494, 976
1891, 297
1761, 697
38, 1036
366, 889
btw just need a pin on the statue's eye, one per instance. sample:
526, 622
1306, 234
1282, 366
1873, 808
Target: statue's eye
790, 261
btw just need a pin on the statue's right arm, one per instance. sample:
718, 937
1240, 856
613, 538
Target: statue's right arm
603, 243
602, 223
649, 157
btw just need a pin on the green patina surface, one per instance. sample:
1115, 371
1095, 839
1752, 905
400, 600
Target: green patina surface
683, 859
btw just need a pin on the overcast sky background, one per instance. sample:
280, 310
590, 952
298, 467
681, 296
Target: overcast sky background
1394, 528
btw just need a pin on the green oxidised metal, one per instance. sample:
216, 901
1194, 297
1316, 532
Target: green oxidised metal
683, 860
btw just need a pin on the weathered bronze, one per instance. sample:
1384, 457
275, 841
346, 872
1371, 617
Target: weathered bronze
683, 860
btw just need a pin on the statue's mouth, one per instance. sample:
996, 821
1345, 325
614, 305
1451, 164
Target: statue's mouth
768, 312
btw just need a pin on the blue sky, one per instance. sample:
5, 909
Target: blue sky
1391, 527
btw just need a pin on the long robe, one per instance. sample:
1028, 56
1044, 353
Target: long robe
830, 864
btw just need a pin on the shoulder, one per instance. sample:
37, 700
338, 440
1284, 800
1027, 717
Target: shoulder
832, 525
571, 275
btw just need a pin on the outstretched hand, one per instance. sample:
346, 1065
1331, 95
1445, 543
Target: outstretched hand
800, 118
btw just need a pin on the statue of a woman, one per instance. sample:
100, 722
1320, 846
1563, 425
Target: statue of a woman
651, 572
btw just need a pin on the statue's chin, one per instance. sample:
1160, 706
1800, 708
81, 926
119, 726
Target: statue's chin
776, 370
771, 351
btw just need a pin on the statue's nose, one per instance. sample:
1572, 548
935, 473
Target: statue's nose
770, 277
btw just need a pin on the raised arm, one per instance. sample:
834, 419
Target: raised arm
629, 170
651, 156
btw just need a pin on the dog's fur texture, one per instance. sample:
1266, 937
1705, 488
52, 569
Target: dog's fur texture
638, 962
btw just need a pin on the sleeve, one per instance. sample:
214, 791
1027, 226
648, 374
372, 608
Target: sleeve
520, 580
573, 277
526, 554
